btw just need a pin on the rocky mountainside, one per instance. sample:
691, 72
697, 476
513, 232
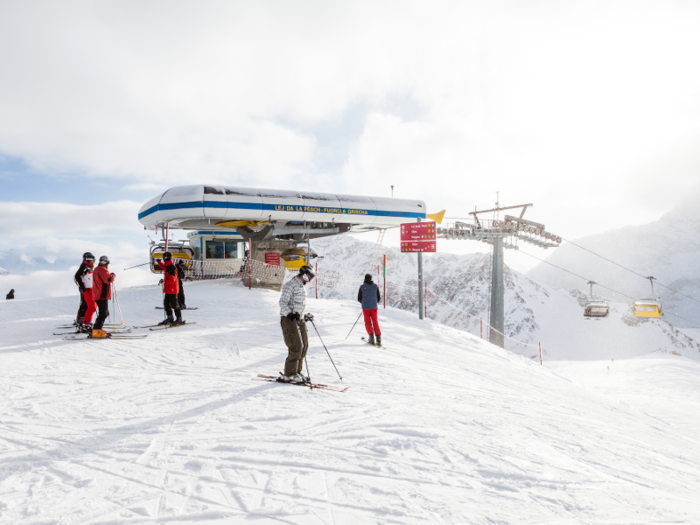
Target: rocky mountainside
459, 296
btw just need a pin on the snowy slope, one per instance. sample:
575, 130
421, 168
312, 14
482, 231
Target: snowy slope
460, 284
437, 427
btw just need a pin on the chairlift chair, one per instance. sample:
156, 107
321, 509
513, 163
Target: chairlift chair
595, 308
650, 307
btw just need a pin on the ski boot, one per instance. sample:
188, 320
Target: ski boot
168, 320
371, 339
379, 340
177, 322
284, 379
297, 378
85, 328
99, 334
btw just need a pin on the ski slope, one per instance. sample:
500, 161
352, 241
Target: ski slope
438, 426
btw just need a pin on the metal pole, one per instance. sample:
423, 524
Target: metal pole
353, 326
426, 299
324, 346
420, 285
250, 263
385, 281
316, 280
497, 319
167, 230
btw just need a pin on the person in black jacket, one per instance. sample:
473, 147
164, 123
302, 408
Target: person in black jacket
83, 278
181, 275
10, 295
369, 297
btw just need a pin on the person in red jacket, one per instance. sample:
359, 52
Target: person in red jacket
171, 288
83, 278
102, 281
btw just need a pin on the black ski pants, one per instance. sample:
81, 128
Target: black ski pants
297, 340
181, 296
82, 310
170, 303
102, 314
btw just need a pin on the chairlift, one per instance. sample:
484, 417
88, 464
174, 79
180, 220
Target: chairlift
648, 307
596, 308
295, 258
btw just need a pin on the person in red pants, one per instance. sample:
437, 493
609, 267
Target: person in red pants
83, 278
369, 297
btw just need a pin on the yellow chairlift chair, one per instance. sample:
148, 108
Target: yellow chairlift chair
648, 307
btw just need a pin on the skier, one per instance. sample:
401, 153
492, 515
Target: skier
83, 278
171, 289
181, 276
102, 290
10, 295
292, 305
369, 297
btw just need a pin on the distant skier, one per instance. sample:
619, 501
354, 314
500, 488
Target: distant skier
181, 276
369, 297
10, 295
292, 305
83, 278
102, 289
171, 289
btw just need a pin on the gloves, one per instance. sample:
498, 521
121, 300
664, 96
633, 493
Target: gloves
293, 316
308, 317
157, 260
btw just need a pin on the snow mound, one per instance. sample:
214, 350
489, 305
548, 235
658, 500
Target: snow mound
437, 426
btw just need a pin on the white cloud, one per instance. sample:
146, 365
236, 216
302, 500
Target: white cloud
42, 219
575, 106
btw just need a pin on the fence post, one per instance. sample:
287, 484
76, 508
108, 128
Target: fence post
250, 263
481, 327
540, 354
316, 280
385, 281
425, 300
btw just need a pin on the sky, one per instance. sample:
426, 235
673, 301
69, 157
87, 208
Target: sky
589, 110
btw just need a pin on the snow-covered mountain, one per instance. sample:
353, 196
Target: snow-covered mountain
668, 249
19, 263
438, 426
459, 296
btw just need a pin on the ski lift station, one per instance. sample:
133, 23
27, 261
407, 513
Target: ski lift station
226, 222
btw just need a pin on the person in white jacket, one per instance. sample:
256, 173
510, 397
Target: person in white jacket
292, 306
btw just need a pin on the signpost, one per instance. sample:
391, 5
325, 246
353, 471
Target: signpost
419, 237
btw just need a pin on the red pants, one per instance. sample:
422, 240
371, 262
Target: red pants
91, 306
371, 323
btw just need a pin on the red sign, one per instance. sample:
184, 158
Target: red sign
272, 259
418, 231
419, 237
413, 246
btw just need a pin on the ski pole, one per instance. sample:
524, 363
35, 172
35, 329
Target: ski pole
121, 315
324, 346
353, 326
137, 266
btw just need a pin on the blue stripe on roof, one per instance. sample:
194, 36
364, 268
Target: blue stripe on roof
273, 207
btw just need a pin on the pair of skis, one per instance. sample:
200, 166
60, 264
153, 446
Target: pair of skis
371, 343
163, 308
122, 335
312, 386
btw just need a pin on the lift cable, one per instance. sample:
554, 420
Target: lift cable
632, 271
598, 284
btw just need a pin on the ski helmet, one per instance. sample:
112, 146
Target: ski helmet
306, 273
368, 278
104, 260
87, 256
167, 256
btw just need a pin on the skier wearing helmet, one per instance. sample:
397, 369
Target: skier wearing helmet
83, 278
292, 305
170, 288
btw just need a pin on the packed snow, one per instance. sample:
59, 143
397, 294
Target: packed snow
437, 427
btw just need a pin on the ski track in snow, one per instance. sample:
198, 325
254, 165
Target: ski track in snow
438, 426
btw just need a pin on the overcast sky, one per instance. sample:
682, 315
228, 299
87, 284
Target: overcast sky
590, 110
